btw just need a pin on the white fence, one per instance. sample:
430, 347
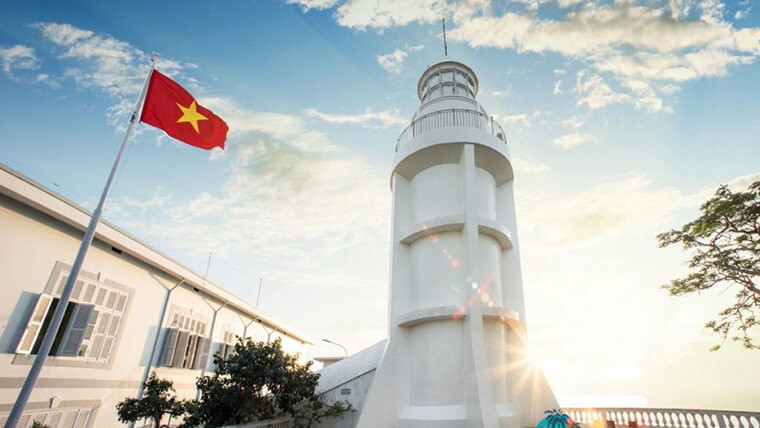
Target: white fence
665, 418
449, 118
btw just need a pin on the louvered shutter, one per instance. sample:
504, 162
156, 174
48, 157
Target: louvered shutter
74, 335
201, 353
170, 343
194, 339
33, 327
179, 353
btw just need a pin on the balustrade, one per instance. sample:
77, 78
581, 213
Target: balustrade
664, 418
451, 118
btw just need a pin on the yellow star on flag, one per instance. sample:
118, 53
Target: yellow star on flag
190, 114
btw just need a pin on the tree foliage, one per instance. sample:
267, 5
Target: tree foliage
259, 381
158, 400
724, 243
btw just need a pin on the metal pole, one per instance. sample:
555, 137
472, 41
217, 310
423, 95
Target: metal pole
208, 265
258, 295
55, 322
337, 344
445, 48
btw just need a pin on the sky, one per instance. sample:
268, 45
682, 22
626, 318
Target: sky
621, 116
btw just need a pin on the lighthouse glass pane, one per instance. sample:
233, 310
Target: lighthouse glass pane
461, 77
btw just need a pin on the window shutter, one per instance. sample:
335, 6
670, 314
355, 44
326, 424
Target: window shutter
201, 353
34, 325
170, 343
191, 351
74, 335
179, 353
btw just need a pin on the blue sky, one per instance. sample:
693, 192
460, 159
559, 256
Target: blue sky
622, 116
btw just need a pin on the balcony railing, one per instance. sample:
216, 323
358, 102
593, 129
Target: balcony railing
451, 117
663, 418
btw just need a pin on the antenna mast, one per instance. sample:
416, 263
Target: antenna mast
445, 48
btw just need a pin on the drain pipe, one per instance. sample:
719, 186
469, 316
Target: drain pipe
148, 366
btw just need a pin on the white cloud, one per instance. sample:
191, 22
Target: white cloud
281, 202
114, 66
557, 90
679, 8
570, 141
393, 62
671, 41
594, 92
18, 57
574, 122
19, 60
594, 30
625, 40
498, 93
363, 14
282, 127
526, 166
559, 73
368, 117
313, 4
740, 184
743, 8
612, 206
524, 119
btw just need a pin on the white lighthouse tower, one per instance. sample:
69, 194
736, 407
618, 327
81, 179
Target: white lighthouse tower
455, 354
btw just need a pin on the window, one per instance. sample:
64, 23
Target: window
185, 343
56, 417
228, 344
90, 324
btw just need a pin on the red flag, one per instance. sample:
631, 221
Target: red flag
170, 107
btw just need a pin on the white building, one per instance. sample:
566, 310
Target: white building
455, 351
133, 309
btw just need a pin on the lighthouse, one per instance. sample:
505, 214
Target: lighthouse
455, 353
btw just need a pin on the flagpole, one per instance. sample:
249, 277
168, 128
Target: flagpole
55, 322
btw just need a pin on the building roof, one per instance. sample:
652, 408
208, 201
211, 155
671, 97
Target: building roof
28, 192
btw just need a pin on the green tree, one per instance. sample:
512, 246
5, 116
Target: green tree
724, 244
158, 400
259, 381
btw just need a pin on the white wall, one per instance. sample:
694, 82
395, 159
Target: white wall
31, 245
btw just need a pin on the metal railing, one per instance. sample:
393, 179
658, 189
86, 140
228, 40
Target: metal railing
284, 422
449, 118
664, 418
